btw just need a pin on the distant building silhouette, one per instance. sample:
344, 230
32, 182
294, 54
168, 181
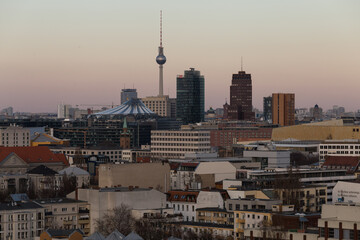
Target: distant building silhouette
283, 109
267, 108
190, 97
127, 94
240, 107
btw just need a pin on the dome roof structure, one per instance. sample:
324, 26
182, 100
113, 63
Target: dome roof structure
132, 107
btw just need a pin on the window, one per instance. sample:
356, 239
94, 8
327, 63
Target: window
230, 206
64, 209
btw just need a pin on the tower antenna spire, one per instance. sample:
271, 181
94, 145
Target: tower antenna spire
241, 63
160, 28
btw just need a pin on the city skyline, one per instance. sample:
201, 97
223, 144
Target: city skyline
85, 53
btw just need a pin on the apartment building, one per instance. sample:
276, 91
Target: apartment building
348, 147
250, 219
14, 136
175, 144
21, 220
65, 213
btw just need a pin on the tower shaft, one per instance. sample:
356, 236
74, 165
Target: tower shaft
161, 90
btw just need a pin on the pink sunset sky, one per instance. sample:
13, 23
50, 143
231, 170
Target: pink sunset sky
86, 51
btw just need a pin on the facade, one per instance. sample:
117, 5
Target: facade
21, 220
339, 221
269, 159
105, 199
349, 147
190, 97
346, 192
267, 108
309, 198
14, 136
182, 176
64, 213
228, 137
143, 175
161, 105
184, 203
320, 131
316, 112
250, 204
220, 170
250, 219
240, 107
127, 94
175, 144
283, 109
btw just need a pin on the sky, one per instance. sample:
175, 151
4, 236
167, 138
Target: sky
83, 52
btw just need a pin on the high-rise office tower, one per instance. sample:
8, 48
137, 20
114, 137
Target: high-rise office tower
283, 109
240, 107
190, 97
267, 108
128, 94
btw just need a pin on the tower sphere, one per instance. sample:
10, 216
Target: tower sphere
160, 59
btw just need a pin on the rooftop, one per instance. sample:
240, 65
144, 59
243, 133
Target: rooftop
57, 201
19, 206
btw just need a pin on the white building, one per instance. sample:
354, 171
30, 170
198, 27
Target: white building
21, 220
346, 192
175, 144
104, 200
186, 202
347, 147
270, 159
63, 111
14, 136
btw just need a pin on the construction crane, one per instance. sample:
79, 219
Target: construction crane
79, 131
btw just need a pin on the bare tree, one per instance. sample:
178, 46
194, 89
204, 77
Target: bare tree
288, 188
119, 218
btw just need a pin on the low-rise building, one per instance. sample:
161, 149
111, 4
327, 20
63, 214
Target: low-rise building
346, 192
215, 215
65, 213
175, 144
250, 219
105, 199
347, 147
269, 158
21, 220
339, 221
143, 175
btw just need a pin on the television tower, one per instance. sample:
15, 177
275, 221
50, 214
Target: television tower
161, 59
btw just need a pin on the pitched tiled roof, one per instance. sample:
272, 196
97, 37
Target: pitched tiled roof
182, 196
40, 154
349, 163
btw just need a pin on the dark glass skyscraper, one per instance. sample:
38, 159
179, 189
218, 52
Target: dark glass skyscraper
267, 108
190, 97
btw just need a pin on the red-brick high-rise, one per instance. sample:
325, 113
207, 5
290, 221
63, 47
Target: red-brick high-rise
240, 107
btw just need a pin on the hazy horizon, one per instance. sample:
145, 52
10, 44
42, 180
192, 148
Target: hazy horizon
85, 51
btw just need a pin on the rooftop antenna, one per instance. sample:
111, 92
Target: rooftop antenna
160, 28
241, 63
161, 59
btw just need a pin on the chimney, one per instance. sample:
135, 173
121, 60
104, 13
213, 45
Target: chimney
136, 186
131, 188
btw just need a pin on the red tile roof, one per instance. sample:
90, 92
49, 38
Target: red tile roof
182, 196
349, 163
40, 154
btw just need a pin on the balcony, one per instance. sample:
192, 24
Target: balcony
84, 210
67, 222
239, 220
48, 213
84, 221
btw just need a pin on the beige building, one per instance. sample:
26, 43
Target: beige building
340, 221
321, 131
175, 144
310, 198
14, 136
104, 200
143, 175
161, 105
21, 220
64, 213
